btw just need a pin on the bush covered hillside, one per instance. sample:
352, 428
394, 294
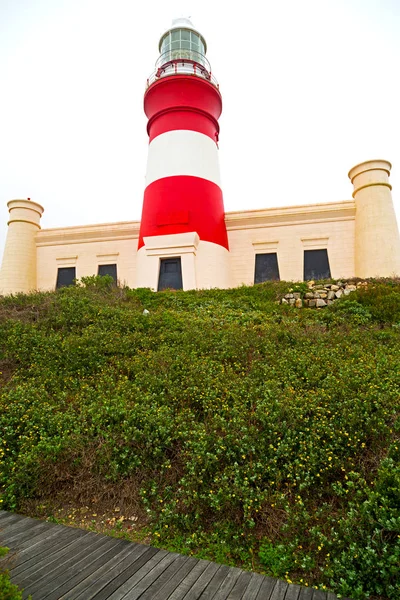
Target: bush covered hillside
221, 423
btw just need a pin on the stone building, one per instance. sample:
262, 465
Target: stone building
185, 238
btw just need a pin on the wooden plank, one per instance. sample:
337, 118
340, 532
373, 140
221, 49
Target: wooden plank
15, 526
20, 552
79, 570
228, 583
201, 582
182, 589
4, 514
127, 569
40, 537
215, 583
95, 582
266, 588
168, 575
306, 593
293, 592
53, 549
122, 590
279, 591
57, 572
10, 518
166, 590
254, 586
39, 553
20, 534
50, 562
150, 578
240, 586
40, 529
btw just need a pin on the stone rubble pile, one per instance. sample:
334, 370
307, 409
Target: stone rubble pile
320, 295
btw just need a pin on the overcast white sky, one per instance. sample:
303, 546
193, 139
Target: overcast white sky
310, 88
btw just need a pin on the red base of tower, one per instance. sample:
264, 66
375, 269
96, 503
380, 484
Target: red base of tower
181, 204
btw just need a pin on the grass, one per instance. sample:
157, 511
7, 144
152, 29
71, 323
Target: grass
221, 424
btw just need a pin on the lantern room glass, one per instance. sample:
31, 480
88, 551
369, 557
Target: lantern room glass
182, 43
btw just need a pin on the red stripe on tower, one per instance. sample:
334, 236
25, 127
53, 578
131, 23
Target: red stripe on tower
183, 103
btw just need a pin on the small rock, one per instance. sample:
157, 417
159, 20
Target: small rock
299, 303
339, 293
334, 288
351, 287
312, 303
346, 292
323, 294
310, 284
317, 295
330, 301
292, 301
146, 312
321, 303
284, 301
331, 295
309, 295
288, 296
296, 295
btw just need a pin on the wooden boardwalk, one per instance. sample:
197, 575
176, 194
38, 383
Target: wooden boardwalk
55, 562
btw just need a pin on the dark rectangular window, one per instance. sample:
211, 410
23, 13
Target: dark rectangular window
108, 270
170, 274
266, 268
316, 265
65, 276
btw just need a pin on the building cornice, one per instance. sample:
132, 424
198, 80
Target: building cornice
291, 215
83, 234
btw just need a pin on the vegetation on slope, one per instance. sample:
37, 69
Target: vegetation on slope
235, 428
8, 591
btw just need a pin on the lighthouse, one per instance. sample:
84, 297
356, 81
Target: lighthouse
183, 242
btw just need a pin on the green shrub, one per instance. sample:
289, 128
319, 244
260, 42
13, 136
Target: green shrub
8, 591
277, 559
251, 433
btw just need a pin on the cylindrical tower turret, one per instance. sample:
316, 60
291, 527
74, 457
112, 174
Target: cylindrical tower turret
377, 241
18, 270
183, 211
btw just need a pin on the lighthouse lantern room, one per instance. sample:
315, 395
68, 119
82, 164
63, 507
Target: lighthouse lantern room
183, 240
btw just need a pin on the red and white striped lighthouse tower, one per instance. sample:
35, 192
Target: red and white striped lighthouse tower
183, 241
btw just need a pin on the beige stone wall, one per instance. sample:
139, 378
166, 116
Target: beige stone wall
85, 248
289, 231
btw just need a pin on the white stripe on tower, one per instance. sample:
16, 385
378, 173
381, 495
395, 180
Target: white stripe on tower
183, 152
